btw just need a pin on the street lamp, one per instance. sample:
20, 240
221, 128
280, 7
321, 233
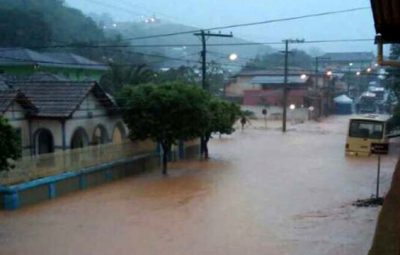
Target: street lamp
233, 57
358, 73
303, 76
292, 107
310, 112
329, 73
369, 69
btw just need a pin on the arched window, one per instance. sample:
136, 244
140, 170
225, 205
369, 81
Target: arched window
79, 139
100, 135
119, 133
44, 142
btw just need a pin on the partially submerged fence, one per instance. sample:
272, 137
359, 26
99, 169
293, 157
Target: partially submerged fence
34, 167
49, 176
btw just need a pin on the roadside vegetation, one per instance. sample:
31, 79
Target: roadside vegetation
170, 112
10, 145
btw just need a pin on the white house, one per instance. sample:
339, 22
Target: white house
60, 115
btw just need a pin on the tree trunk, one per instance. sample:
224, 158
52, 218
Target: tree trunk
166, 150
202, 146
205, 146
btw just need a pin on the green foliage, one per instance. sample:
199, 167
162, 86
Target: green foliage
183, 74
394, 85
165, 113
10, 147
248, 114
118, 76
395, 51
67, 24
297, 58
20, 28
223, 115
215, 78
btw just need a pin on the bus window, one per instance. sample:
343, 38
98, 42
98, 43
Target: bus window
366, 129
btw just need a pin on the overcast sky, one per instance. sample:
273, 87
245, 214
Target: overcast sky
211, 13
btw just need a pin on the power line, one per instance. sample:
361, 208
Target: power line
75, 45
252, 23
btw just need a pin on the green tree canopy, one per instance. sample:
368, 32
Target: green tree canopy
21, 28
10, 147
393, 83
165, 113
119, 75
183, 74
222, 117
297, 58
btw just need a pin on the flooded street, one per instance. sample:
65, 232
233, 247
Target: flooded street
262, 192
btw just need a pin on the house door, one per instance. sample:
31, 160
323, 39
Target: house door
44, 142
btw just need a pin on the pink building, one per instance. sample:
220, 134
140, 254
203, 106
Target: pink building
269, 90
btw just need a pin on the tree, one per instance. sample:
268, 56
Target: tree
20, 28
394, 85
165, 113
216, 78
184, 74
10, 147
222, 117
118, 76
298, 58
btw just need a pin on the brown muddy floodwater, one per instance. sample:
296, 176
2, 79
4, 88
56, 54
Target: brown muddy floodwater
261, 193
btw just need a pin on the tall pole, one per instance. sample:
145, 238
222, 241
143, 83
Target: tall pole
316, 72
204, 36
285, 87
204, 61
378, 176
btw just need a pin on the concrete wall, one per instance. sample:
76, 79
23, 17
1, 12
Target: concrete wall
275, 113
23, 194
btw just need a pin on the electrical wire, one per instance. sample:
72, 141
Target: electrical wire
252, 23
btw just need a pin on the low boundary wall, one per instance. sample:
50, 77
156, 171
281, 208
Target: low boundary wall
27, 193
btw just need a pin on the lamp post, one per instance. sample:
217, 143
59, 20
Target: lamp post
292, 107
348, 78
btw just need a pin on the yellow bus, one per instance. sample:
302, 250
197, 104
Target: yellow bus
367, 135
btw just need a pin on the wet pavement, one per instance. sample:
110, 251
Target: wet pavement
262, 192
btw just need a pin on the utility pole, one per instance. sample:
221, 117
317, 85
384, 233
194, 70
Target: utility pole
317, 62
316, 72
204, 35
285, 86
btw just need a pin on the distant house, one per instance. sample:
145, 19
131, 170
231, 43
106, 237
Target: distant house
248, 80
269, 90
60, 115
25, 62
347, 61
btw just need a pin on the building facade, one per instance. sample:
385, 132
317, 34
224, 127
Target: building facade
61, 115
